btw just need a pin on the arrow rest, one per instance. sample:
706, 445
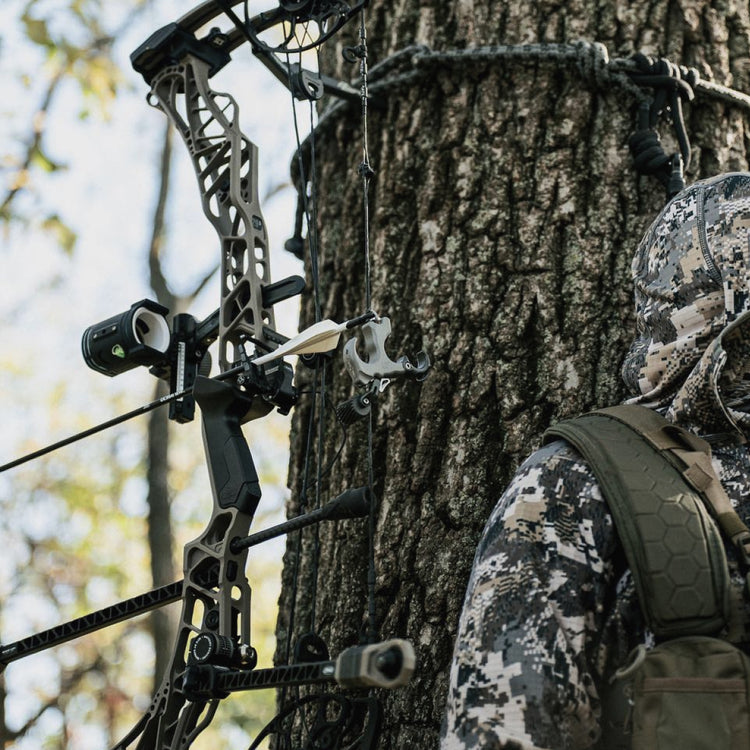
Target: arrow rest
273, 383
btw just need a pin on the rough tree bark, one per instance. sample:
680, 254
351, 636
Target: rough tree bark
505, 216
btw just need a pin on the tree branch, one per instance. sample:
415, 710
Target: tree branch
33, 146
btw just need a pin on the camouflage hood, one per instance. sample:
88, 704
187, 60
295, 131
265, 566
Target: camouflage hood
691, 357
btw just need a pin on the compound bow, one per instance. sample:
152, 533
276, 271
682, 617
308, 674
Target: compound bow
213, 653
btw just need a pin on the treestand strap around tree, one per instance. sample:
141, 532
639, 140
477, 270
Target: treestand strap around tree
671, 85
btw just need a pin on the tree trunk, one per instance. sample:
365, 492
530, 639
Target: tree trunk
160, 534
506, 212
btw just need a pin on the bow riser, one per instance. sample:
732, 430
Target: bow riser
216, 593
225, 163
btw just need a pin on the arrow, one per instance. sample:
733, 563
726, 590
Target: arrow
322, 336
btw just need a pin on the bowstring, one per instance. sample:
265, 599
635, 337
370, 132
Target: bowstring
310, 204
366, 172
323, 375
365, 168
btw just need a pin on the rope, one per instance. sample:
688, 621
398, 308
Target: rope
671, 85
408, 66
366, 172
591, 60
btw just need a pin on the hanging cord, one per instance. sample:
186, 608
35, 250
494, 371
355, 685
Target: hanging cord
671, 85
366, 172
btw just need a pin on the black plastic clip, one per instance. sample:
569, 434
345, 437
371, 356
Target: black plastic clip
199, 682
171, 43
304, 84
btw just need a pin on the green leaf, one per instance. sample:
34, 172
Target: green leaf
36, 30
64, 235
42, 161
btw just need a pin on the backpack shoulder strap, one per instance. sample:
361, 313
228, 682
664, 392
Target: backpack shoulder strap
673, 547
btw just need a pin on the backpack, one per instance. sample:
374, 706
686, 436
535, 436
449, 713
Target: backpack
692, 690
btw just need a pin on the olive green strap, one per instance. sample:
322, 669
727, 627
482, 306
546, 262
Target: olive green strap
674, 549
691, 455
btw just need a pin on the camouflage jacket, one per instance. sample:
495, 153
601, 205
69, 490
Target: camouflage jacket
551, 610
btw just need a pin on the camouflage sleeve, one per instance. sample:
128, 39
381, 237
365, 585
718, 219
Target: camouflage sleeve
524, 675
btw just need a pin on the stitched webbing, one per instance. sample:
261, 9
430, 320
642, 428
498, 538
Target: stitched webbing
691, 455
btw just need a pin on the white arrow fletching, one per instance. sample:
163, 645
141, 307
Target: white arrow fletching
319, 337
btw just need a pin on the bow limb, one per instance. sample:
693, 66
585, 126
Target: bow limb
214, 625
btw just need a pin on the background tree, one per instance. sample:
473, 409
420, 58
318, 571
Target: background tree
506, 212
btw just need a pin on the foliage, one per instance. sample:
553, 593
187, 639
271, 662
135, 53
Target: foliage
66, 51
73, 530
75, 543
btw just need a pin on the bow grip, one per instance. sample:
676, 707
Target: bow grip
234, 480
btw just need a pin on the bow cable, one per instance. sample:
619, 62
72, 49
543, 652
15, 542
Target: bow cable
310, 213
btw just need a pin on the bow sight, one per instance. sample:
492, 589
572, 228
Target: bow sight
139, 336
